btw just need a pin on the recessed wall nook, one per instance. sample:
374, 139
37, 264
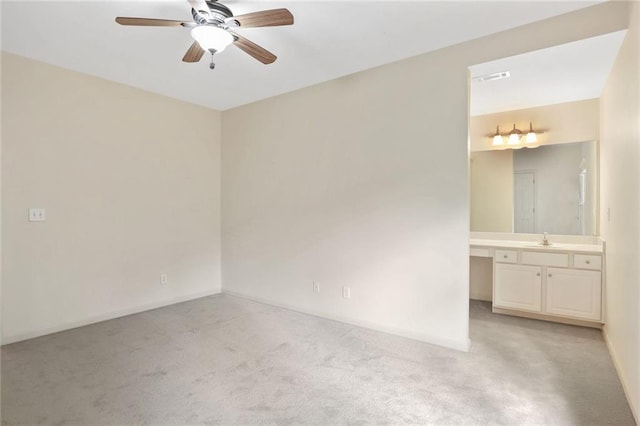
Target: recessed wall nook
550, 190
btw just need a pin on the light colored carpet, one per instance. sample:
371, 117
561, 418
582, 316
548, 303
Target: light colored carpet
226, 360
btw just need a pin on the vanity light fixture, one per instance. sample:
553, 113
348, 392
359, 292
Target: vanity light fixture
515, 138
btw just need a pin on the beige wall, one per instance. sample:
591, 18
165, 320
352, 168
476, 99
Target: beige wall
620, 189
356, 183
561, 123
130, 183
491, 177
481, 278
363, 182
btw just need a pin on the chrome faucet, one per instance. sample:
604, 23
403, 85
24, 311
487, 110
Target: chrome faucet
545, 241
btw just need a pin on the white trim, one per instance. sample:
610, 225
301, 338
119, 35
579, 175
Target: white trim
447, 343
625, 387
104, 317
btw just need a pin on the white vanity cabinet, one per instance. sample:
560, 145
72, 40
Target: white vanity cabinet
574, 293
548, 283
518, 287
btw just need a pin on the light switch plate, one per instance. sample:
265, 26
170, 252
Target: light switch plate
37, 215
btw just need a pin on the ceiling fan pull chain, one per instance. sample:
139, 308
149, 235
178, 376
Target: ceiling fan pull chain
212, 65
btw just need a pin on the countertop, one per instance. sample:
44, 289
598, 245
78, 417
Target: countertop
535, 246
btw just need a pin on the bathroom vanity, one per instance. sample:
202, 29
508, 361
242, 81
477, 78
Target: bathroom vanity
561, 282
518, 194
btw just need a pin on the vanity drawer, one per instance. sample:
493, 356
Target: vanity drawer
506, 256
545, 259
479, 252
587, 261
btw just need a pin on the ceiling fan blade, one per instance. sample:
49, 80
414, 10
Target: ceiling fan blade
194, 53
265, 18
249, 47
148, 22
199, 5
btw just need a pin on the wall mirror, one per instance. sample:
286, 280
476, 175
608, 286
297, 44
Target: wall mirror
552, 188
551, 184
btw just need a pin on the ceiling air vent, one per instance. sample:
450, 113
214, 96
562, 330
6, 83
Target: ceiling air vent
490, 77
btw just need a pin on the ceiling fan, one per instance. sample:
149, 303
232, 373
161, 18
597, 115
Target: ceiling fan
212, 29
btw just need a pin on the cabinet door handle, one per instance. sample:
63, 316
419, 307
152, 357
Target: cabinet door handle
587, 262
549, 275
505, 256
538, 274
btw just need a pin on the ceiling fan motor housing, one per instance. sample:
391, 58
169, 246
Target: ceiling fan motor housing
218, 14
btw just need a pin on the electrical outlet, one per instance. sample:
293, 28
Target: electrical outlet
346, 292
164, 279
316, 287
37, 215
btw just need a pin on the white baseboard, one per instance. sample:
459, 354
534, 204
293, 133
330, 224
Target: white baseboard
13, 338
625, 387
447, 343
480, 296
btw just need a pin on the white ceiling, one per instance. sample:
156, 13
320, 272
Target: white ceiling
329, 39
568, 72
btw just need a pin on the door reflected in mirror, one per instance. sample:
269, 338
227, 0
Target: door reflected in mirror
552, 188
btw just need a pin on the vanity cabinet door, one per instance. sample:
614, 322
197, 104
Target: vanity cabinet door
574, 293
518, 287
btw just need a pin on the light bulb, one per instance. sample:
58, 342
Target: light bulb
497, 139
531, 136
211, 38
514, 136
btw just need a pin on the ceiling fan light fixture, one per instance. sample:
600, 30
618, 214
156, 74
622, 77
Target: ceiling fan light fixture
211, 37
